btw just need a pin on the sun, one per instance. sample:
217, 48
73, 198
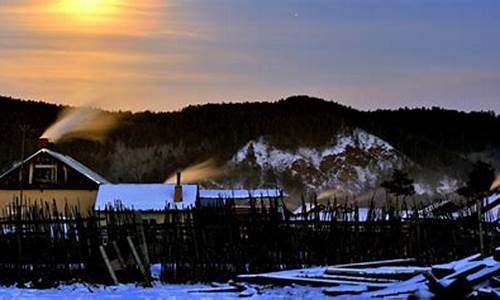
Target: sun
87, 11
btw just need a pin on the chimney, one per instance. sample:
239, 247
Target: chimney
43, 143
178, 189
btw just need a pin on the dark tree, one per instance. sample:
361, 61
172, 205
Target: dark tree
479, 180
400, 184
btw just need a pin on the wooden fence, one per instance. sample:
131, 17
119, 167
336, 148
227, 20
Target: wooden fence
217, 244
43, 246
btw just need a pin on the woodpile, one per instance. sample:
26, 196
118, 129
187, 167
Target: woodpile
474, 277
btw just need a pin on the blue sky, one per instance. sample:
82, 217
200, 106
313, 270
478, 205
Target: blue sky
164, 54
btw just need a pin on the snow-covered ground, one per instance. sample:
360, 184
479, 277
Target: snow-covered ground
170, 292
158, 291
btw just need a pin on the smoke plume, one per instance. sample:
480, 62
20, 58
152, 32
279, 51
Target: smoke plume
496, 183
326, 194
199, 172
82, 123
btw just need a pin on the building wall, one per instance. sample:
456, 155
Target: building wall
84, 199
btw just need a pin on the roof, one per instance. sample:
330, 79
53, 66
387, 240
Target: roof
69, 161
145, 197
491, 207
325, 213
240, 194
308, 206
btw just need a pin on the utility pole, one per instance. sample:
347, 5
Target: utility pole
23, 131
18, 209
479, 205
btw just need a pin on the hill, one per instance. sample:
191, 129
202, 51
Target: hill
299, 142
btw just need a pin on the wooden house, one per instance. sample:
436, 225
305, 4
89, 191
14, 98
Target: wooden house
153, 201
241, 199
47, 178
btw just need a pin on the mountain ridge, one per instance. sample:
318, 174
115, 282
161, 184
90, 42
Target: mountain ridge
148, 146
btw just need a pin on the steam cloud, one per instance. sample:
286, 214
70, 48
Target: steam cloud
195, 173
326, 194
496, 183
83, 123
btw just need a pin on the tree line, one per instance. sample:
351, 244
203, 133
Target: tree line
432, 137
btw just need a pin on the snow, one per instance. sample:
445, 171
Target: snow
239, 194
492, 206
423, 189
157, 196
267, 155
325, 215
300, 210
382, 158
447, 185
390, 288
158, 291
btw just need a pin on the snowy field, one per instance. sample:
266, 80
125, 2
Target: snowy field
158, 291
170, 292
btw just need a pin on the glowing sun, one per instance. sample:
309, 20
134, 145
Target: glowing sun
88, 11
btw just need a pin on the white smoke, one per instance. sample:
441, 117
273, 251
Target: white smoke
84, 123
195, 173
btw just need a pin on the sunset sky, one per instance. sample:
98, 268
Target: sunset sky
163, 55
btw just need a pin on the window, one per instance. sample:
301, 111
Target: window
45, 174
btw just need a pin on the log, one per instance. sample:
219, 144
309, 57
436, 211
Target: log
466, 270
461, 286
404, 288
378, 263
461, 283
483, 275
284, 280
396, 290
345, 290
352, 278
224, 289
394, 272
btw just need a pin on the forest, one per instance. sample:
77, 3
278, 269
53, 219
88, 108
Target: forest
147, 146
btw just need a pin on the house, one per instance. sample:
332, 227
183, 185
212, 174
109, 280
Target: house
491, 208
48, 177
321, 212
154, 201
240, 198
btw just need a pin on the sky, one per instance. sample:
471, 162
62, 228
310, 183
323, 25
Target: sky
167, 54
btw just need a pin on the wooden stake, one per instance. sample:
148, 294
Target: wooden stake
108, 265
480, 222
119, 255
138, 261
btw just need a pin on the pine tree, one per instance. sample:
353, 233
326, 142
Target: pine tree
479, 180
400, 184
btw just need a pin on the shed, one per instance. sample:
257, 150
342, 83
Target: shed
152, 200
241, 197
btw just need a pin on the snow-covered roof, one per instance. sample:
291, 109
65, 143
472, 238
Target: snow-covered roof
155, 196
325, 214
240, 194
308, 207
69, 161
491, 207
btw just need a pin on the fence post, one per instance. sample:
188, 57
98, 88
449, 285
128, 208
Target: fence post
480, 226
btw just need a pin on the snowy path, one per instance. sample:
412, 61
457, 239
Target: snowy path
168, 292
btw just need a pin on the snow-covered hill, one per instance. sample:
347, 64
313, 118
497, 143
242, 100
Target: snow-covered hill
352, 162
